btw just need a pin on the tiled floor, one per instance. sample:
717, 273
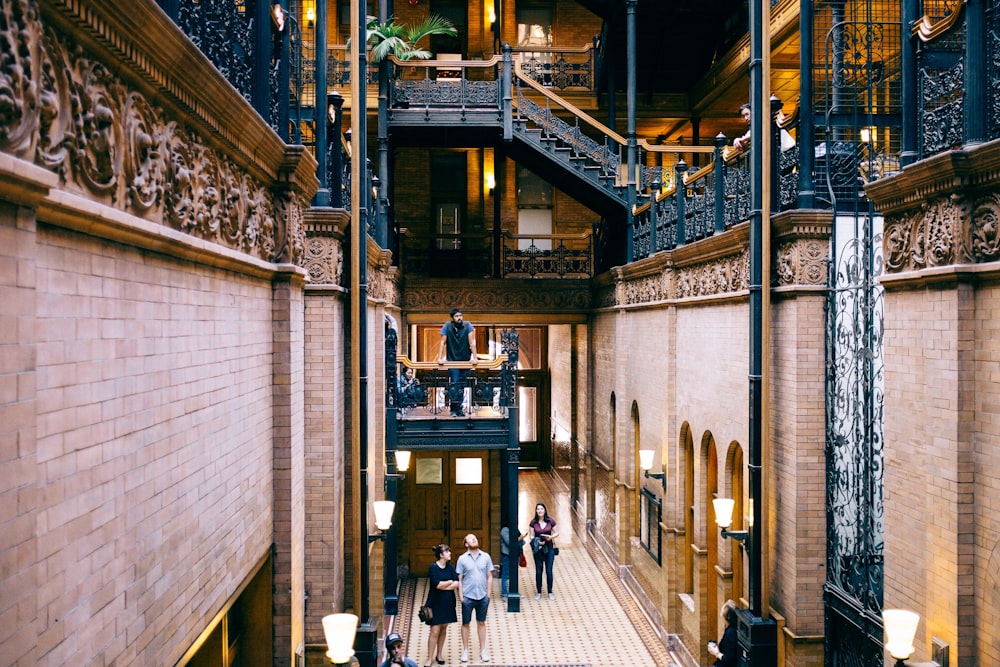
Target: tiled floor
593, 622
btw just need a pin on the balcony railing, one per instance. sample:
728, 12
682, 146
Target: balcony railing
426, 390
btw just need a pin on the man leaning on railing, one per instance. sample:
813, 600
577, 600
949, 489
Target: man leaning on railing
458, 343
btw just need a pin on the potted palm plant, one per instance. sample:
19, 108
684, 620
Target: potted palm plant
394, 39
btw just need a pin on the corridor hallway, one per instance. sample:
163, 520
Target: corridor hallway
593, 621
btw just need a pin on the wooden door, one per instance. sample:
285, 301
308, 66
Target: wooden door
450, 498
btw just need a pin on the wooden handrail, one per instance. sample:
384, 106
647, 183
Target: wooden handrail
576, 111
583, 236
471, 64
434, 365
927, 30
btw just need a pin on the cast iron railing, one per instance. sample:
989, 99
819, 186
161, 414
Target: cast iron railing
424, 390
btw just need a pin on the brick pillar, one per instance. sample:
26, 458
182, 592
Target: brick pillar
288, 463
18, 456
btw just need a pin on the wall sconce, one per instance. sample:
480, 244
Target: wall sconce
402, 458
866, 135
310, 16
489, 184
900, 627
646, 462
383, 518
724, 518
491, 15
339, 630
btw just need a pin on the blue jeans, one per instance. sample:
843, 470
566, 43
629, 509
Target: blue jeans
504, 575
544, 558
456, 387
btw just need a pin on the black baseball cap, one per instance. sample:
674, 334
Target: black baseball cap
392, 639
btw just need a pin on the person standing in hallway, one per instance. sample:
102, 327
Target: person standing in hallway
458, 343
543, 531
475, 578
726, 651
443, 582
505, 567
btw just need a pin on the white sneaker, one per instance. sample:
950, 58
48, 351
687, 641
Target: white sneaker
485, 655
465, 655
551, 596
538, 596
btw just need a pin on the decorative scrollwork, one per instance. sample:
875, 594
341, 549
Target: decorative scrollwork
71, 115
986, 229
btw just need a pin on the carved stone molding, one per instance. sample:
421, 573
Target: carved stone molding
942, 211
801, 262
527, 297
65, 108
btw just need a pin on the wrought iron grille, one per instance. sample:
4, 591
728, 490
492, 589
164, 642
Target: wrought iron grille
993, 66
559, 69
223, 30
858, 86
854, 444
940, 85
860, 96
582, 146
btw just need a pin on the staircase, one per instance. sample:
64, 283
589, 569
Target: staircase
493, 104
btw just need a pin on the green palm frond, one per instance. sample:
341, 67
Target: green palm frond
392, 39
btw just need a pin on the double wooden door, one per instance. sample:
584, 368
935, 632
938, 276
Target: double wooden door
449, 496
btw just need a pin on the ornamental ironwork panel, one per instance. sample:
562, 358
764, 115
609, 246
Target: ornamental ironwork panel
445, 93
572, 136
559, 70
788, 178
993, 67
224, 31
854, 431
940, 91
737, 203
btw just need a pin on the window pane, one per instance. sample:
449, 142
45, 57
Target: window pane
469, 471
528, 423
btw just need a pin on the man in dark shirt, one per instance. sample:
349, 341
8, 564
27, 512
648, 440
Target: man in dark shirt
458, 343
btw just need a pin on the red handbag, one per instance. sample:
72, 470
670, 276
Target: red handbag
523, 561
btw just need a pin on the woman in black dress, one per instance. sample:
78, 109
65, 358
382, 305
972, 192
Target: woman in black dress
441, 600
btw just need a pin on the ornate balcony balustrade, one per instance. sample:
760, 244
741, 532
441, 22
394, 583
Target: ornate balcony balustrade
428, 390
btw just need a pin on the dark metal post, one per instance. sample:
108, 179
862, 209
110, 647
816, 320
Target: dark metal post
323, 194
758, 122
757, 636
630, 6
680, 193
507, 81
512, 459
335, 101
657, 184
284, 72
720, 184
976, 103
365, 642
262, 59
382, 219
908, 63
500, 176
772, 125
807, 122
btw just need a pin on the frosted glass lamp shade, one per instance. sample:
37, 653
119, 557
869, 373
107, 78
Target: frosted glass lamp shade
340, 630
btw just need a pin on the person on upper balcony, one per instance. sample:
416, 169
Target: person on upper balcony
458, 343
743, 142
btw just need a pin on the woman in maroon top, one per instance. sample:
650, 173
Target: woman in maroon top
543, 531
